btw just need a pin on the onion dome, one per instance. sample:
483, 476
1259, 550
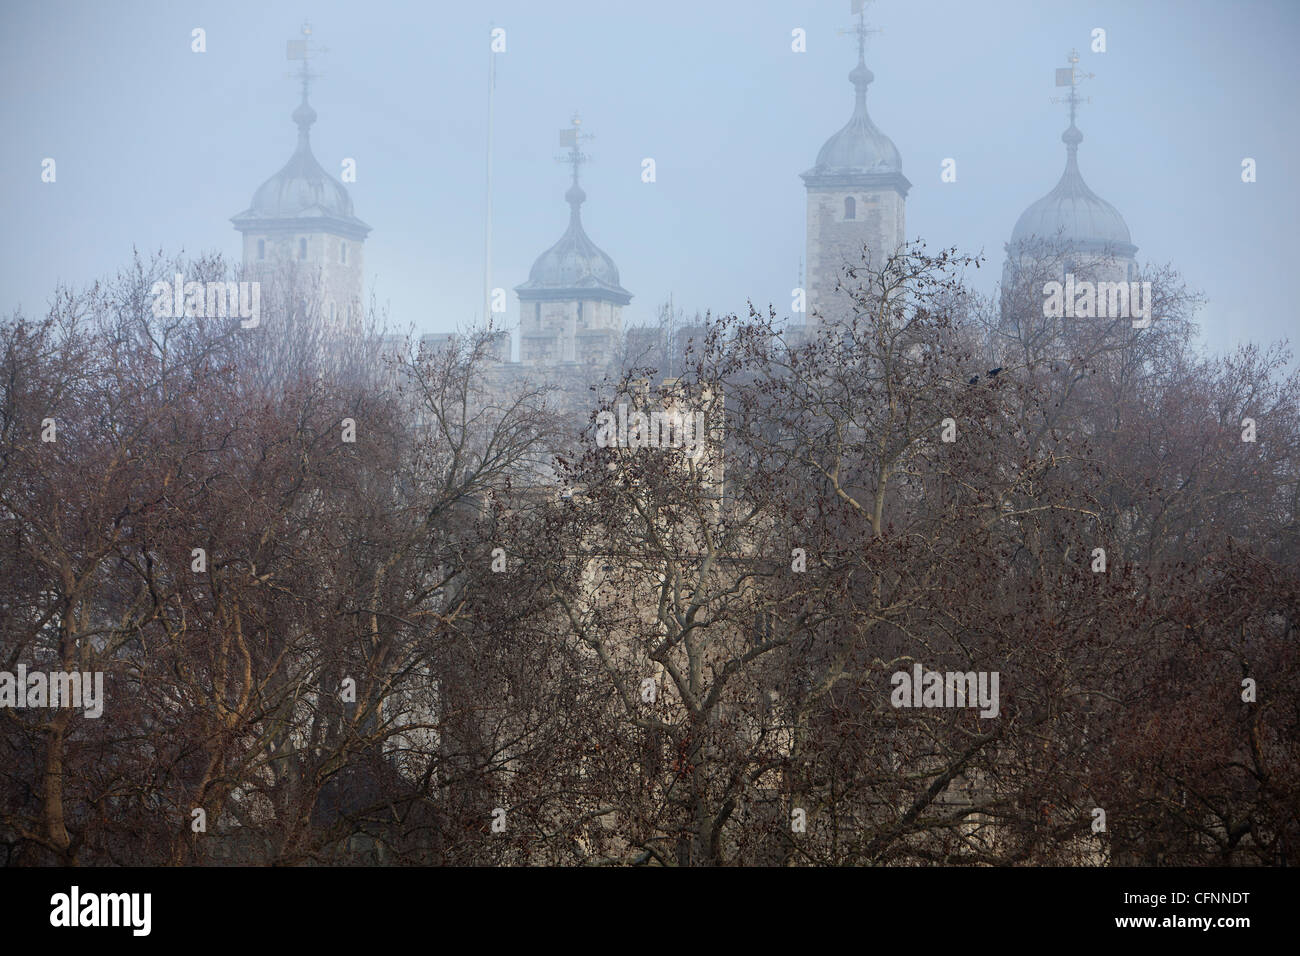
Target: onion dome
302, 195
1072, 215
575, 267
859, 154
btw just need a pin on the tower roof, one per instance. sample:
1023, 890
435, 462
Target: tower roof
1072, 214
575, 267
302, 195
859, 153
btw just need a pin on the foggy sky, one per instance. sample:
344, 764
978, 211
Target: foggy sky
158, 146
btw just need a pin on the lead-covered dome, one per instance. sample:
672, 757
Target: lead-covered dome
1072, 214
302, 190
860, 147
574, 264
859, 155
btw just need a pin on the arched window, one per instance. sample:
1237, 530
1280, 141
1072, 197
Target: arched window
302, 248
343, 253
850, 208
537, 313
579, 313
261, 248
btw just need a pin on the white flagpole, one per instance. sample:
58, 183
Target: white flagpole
487, 226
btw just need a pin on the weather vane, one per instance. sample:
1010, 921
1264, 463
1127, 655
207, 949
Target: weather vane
1070, 76
303, 50
571, 139
858, 8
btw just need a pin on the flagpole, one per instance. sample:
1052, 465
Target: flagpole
487, 224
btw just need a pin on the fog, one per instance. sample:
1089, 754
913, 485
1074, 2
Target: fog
158, 146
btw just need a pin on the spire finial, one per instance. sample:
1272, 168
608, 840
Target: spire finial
1070, 76
572, 139
861, 77
303, 51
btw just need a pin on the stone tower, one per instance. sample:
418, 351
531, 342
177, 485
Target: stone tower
856, 197
301, 226
571, 307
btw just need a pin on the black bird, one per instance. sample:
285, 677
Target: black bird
974, 380
994, 371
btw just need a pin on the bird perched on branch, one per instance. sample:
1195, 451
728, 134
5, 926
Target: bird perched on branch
991, 373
